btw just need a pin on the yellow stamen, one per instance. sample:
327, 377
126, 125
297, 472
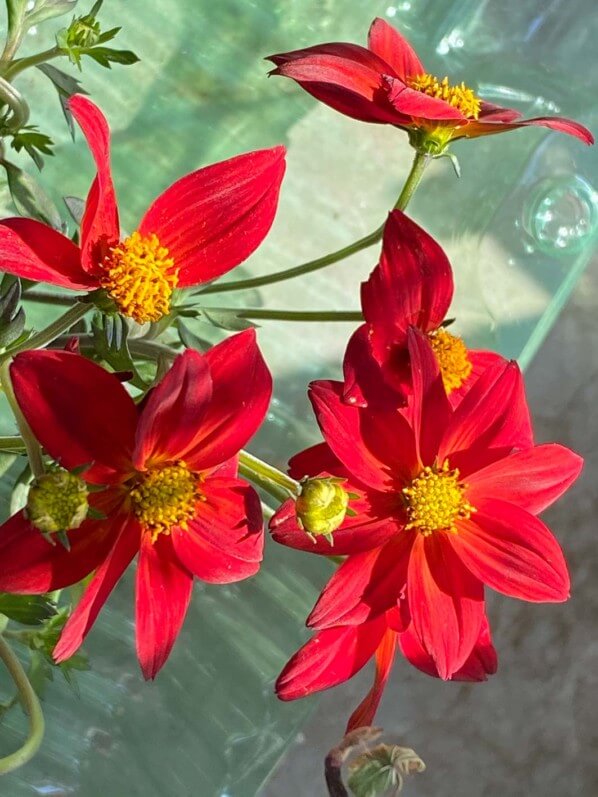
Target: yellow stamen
435, 500
165, 497
452, 356
140, 277
460, 96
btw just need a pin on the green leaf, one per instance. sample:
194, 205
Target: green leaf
48, 9
27, 609
12, 317
225, 319
106, 56
110, 333
66, 86
189, 339
29, 197
33, 142
76, 207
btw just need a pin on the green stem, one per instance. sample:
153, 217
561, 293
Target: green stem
51, 332
418, 166
291, 315
31, 705
19, 110
21, 64
34, 452
139, 347
47, 298
273, 481
12, 443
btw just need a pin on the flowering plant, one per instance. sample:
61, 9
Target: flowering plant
428, 483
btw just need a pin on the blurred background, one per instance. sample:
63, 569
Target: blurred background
520, 227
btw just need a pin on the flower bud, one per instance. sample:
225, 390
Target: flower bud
83, 32
321, 506
57, 501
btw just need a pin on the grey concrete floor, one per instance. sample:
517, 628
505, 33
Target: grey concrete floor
533, 728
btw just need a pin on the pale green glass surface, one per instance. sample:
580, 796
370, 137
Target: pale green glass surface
519, 226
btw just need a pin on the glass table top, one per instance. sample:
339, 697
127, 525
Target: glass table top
519, 227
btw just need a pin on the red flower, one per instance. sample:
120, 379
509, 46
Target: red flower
387, 83
201, 227
334, 655
412, 285
443, 505
171, 494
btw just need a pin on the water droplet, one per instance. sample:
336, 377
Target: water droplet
391, 11
561, 215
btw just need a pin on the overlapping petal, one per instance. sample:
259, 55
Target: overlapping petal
365, 712
385, 41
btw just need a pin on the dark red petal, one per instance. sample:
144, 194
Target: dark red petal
375, 445
412, 285
496, 113
365, 585
480, 360
429, 410
32, 565
532, 479
314, 461
99, 588
492, 415
418, 105
78, 411
162, 594
213, 219
366, 382
481, 663
366, 711
446, 602
173, 412
99, 226
34, 251
329, 658
225, 540
241, 392
490, 125
387, 42
513, 552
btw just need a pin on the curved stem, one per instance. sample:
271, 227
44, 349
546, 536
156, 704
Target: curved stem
51, 332
34, 452
270, 479
418, 166
19, 110
291, 315
31, 705
21, 64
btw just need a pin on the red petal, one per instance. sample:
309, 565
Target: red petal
365, 712
99, 226
532, 479
446, 602
481, 663
513, 552
162, 594
241, 392
225, 540
492, 415
32, 565
487, 126
78, 411
99, 588
329, 658
365, 381
387, 42
375, 445
480, 360
34, 251
418, 105
411, 286
174, 410
365, 585
213, 219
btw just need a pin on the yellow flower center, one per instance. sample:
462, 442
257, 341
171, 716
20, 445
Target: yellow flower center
435, 500
140, 277
460, 96
452, 356
165, 497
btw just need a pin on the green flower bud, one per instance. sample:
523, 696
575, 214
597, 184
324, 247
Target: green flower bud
321, 506
57, 501
83, 32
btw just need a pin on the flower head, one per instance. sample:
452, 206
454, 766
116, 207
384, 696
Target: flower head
205, 224
387, 83
446, 504
171, 493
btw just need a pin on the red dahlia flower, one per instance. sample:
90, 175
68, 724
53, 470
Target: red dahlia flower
441, 505
387, 83
412, 285
201, 227
169, 469
334, 655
